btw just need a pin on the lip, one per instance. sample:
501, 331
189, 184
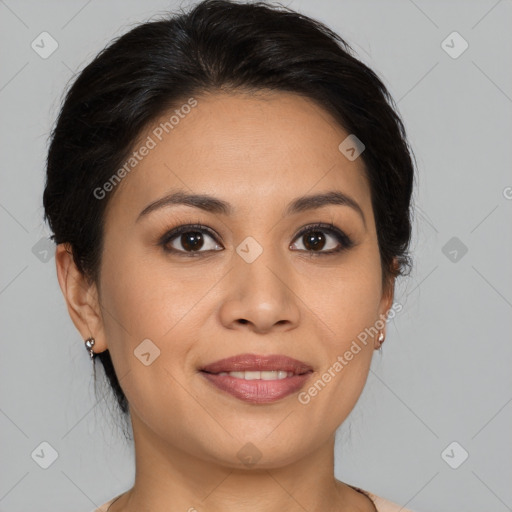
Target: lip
257, 391
255, 362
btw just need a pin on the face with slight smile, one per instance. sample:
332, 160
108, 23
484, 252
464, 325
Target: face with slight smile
258, 278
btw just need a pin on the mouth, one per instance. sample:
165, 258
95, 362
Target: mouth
253, 364
258, 379
256, 375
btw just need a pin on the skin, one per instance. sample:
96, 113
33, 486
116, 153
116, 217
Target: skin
258, 152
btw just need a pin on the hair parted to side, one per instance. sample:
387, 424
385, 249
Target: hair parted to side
217, 45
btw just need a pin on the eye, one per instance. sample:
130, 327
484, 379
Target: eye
194, 239
190, 239
323, 239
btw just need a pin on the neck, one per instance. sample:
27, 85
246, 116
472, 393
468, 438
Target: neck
167, 476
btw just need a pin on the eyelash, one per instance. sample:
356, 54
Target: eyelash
345, 241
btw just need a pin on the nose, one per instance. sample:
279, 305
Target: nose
259, 296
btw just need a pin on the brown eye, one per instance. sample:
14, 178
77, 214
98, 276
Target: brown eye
322, 239
314, 240
190, 239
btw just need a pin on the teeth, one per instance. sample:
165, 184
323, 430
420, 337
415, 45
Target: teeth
265, 375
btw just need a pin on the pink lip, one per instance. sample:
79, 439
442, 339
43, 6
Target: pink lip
258, 391
254, 362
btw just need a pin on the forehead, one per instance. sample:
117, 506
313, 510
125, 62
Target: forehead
260, 149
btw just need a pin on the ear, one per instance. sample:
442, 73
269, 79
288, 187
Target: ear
81, 298
388, 294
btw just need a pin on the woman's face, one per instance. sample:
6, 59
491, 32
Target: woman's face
245, 283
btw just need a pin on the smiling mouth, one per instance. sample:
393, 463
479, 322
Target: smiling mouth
258, 379
252, 364
259, 375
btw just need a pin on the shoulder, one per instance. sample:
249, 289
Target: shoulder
380, 504
383, 505
104, 507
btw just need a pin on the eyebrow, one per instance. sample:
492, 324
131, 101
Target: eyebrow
218, 206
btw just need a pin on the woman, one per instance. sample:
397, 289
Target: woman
230, 194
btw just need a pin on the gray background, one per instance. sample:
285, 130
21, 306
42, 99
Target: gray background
444, 374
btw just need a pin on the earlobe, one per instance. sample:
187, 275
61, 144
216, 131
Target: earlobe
81, 298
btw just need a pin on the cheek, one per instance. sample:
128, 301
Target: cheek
347, 351
346, 310
148, 298
344, 298
147, 311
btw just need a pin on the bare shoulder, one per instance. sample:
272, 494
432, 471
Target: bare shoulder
380, 503
105, 506
384, 505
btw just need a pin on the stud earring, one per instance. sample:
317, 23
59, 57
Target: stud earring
380, 340
89, 343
